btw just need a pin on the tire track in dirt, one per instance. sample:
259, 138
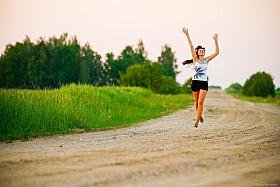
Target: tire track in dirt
237, 145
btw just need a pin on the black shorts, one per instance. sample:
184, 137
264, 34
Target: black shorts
197, 85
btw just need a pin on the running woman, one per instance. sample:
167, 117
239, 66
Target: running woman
199, 80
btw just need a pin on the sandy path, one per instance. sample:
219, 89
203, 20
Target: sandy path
237, 145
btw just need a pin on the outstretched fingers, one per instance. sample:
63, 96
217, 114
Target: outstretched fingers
185, 31
215, 37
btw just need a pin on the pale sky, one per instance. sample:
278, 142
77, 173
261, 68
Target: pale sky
249, 30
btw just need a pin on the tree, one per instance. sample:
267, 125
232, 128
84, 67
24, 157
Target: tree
187, 86
75, 48
86, 58
55, 65
91, 66
11, 60
57, 61
128, 57
145, 75
140, 53
110, 70
14, 62
149, 75
96, 69
167, 61
37, 66
25, 51
136, 75
3, 69
233, 88
259, 84
168, 85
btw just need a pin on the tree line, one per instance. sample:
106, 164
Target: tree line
57, 61
259, 84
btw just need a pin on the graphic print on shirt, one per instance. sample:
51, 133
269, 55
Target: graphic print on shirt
199, 72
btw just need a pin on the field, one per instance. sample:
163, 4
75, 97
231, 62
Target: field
256, 99
237, 145
26, 114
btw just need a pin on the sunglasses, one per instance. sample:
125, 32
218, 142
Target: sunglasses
201, 50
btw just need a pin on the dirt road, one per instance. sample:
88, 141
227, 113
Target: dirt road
237, 145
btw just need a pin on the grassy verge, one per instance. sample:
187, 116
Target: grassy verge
74, 108
242, 97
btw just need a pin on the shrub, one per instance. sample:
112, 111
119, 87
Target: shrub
259, 84
149, 75
234, 88
187, 86
215, 87
168, 85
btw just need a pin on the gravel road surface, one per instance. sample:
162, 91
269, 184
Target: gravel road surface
237, 145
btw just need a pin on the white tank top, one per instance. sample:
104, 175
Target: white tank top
200, 71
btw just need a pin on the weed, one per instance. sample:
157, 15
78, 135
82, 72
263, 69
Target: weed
268, 99
25, 114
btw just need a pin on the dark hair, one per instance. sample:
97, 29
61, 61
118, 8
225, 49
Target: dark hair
187, 62
197, 48
196, 52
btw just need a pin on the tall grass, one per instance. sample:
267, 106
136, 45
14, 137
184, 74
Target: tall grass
269, 99
31, 113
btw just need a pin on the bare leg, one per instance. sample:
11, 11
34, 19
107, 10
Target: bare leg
200, 103
196, 95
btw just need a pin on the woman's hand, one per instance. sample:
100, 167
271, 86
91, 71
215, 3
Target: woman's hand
190, 43
185, 31
215, 37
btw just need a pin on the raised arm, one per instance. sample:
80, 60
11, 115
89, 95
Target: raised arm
190, 43
215, 37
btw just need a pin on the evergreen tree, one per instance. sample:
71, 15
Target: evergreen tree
140, 53
110, 71
126, 58
90, 67
167, 61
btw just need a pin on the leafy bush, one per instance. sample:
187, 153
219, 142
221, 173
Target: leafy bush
168, 85
215, 87
277, 91
149, 75
259, 84
234, 88
187, 86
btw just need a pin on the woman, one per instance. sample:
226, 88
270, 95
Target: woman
199, 80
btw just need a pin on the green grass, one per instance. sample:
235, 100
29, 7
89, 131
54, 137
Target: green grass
242, 97
74, 108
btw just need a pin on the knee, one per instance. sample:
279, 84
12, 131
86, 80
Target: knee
200, 102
